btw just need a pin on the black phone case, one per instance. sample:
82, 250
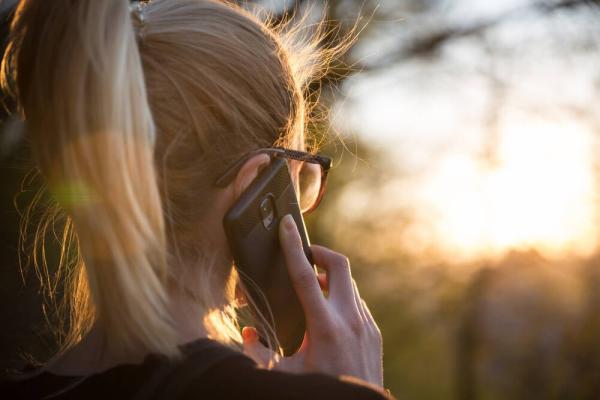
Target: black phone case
258, 256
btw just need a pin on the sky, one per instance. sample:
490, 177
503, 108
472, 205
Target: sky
485, 171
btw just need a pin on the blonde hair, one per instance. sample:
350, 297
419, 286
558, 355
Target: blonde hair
130, 116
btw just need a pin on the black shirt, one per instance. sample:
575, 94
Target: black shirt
228, 375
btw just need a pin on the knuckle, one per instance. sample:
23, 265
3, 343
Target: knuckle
367, 310
291, 245
374, 333
356, 326
342, 262
327, 331
377, 333
304, 279
295, 241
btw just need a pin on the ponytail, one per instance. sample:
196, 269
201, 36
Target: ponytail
75, 68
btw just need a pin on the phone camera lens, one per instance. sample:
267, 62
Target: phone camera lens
267, 212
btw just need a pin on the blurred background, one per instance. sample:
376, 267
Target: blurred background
464, 191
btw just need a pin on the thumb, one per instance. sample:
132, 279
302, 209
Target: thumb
254, 349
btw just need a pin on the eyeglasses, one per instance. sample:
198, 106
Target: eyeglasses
311, 171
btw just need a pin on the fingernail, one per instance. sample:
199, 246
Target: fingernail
248, 333
288, 223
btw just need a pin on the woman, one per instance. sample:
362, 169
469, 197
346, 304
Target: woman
132, 113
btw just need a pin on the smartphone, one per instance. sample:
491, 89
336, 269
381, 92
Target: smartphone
252, 230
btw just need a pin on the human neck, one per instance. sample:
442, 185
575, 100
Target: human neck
188, 316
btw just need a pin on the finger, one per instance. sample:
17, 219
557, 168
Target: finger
341, 291
322, 278
370, 319
254, 349
359, 302
302, 274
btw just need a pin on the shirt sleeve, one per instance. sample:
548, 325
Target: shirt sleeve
240, 378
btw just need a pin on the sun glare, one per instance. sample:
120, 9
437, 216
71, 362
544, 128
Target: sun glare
539, 194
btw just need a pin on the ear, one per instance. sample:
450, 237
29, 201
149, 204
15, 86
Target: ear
249, 172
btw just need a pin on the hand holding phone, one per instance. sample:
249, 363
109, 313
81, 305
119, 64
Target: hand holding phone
342, 337
251, 227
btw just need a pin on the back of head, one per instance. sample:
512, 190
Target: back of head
131, 114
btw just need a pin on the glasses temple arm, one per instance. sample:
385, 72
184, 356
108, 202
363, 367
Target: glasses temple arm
229, 175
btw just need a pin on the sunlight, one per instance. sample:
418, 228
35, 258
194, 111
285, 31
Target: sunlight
540, 194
